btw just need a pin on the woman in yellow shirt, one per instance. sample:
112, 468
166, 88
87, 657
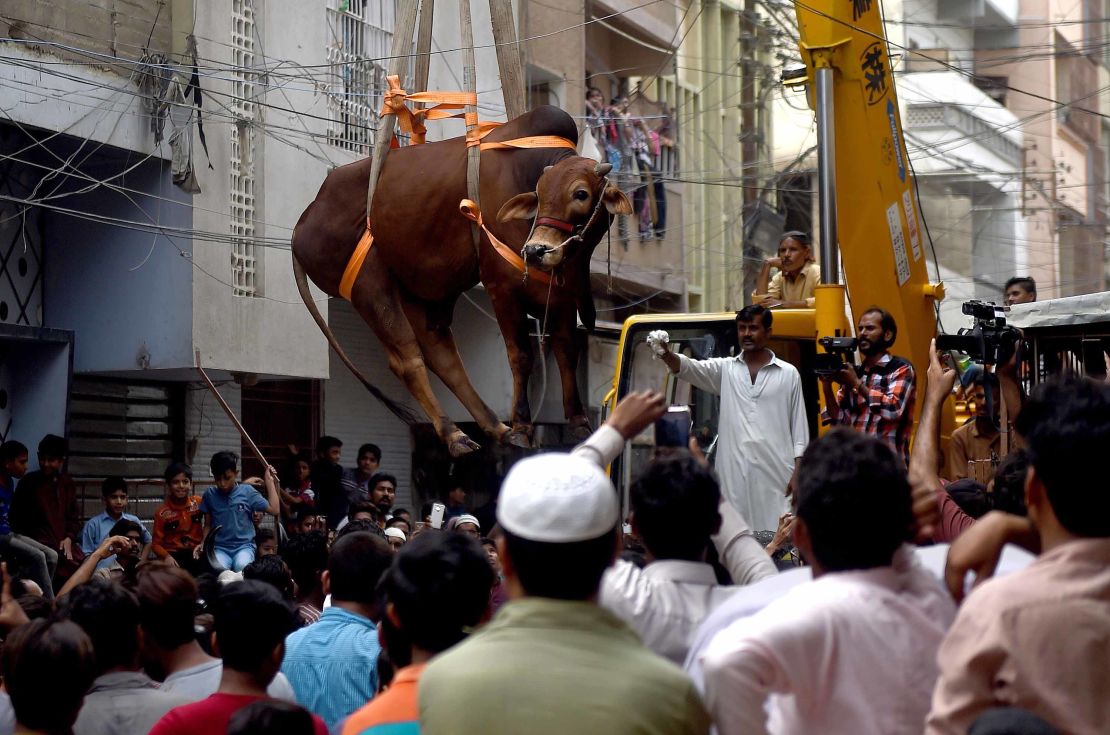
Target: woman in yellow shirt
792, 287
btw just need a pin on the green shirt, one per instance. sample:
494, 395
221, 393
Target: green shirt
546, 666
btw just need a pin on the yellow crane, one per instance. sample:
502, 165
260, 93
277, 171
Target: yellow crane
869, 221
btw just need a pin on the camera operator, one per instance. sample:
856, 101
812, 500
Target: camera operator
877, 397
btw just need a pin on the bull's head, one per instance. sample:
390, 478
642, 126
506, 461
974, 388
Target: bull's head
567, 201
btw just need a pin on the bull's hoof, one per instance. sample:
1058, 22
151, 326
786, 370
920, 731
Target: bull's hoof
500, 433
579, 427
520, 436
460, 444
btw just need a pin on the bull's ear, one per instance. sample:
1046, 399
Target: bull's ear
522, 206
616, 201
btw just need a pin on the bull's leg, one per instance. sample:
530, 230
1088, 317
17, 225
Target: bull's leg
565, 347
375, 297
513, 319
437, 342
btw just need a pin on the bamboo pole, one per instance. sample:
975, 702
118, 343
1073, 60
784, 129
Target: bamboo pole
399, 56
508, 57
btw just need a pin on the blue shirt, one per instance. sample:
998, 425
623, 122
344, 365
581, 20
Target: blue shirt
6, 495
235, 512
97, 529
333, 664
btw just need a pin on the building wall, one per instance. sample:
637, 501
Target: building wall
125, 293
270, 333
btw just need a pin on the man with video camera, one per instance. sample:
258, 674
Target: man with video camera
877, 397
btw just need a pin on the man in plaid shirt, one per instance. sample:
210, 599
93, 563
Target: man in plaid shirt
876, 398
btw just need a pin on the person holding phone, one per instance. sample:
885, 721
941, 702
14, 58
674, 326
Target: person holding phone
763, 428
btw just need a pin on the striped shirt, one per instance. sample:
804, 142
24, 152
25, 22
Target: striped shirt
395, 712
333, 664
887, 413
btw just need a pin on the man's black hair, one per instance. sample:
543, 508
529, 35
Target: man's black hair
561, 571
222, 462
675, 502
124, 526
886, 322
252, 619
487, 541
168, 603
798, 235
381, 477
111, 484
396, 520
12, 450
361, 526
362, 506
755, 312
273, 717
325, 443
372, 449
55, 446
439, 586
109, 615
175, 469
1066, 427
48, 666
1008, 493
307, 556
357, 562
854, 498
970, 495
1027, 284
272, 570
397, 511
263, 535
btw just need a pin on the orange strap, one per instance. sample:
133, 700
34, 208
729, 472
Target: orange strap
473, 212
412, 121
354, 265
532, 141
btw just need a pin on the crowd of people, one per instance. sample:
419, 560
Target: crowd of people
635, 149
351, 616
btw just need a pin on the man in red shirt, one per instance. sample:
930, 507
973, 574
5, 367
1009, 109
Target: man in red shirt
252, 620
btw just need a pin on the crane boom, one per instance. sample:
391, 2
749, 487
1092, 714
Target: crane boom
866, 184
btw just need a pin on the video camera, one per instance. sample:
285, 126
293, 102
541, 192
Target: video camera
838, 354
990, 342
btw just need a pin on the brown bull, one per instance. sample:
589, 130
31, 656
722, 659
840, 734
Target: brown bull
424, 257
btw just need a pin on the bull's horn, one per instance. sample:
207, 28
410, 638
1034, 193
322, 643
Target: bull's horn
547, 168
603, 169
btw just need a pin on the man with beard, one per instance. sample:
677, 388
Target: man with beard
877, 397
763, 425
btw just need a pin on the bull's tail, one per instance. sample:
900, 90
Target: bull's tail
394, 407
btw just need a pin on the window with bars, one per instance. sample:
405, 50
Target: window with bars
244, 262
360, 36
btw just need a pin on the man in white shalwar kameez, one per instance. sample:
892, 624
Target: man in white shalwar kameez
763, 427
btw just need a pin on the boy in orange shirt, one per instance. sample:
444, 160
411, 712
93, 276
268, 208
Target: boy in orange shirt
179, 523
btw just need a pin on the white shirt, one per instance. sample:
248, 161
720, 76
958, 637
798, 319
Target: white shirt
763, 429
850, 652
666, 601
203, 680
753, 598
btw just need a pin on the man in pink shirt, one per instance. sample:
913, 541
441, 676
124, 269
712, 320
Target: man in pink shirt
1039, 639
852, 651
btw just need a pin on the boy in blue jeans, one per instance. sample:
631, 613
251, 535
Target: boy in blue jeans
231, 505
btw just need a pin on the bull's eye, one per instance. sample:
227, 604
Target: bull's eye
581, 195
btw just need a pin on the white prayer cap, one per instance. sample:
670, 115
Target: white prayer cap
395, 533
557, 498
457, 521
